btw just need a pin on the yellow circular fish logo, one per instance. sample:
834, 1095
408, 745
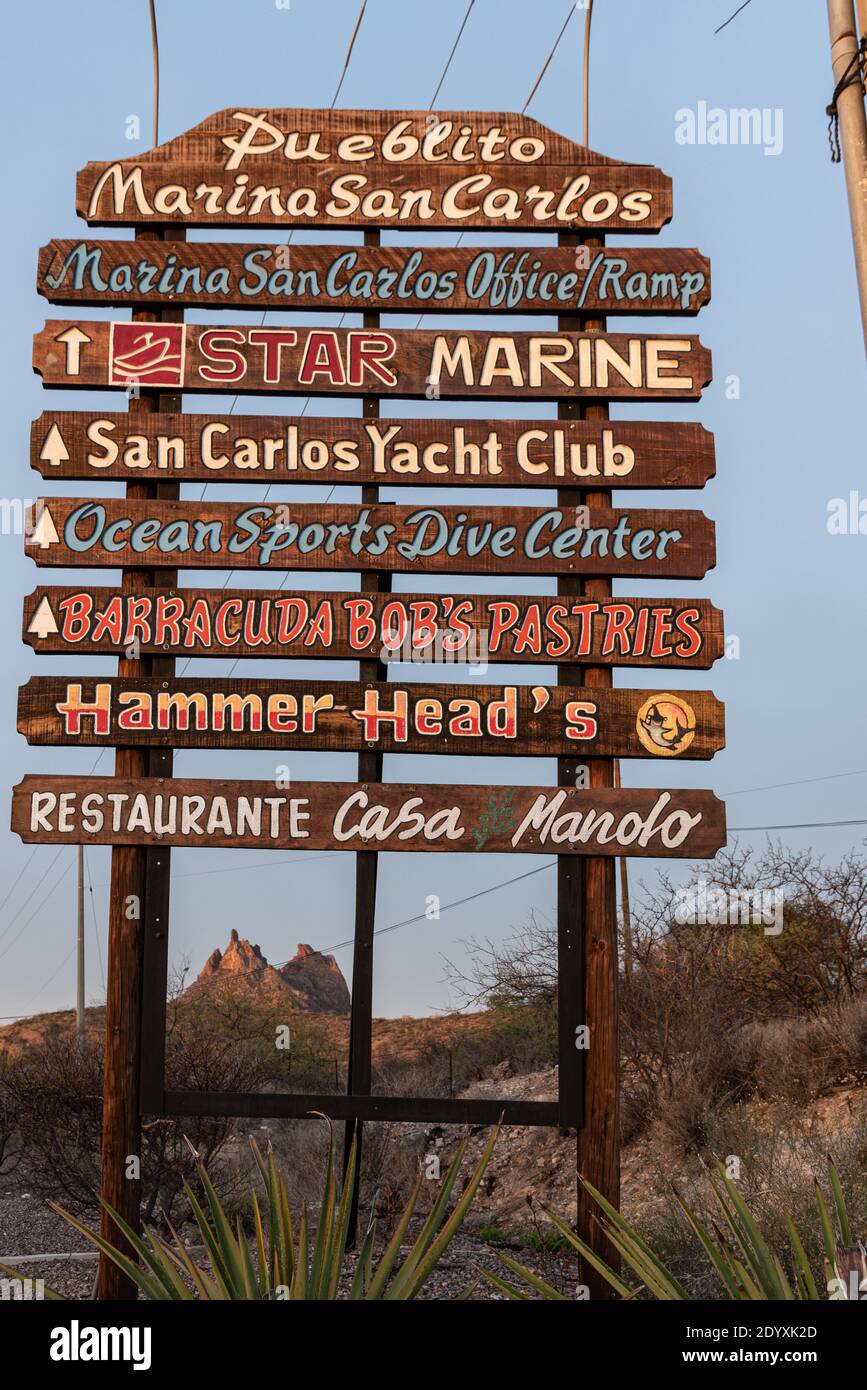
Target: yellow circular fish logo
665, 725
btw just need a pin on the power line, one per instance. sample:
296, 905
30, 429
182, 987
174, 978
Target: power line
93, 915
21, 874
459, 902
38, 909
240, 868
37, 885
547, 61
47, 871
51, 977
451, 55
349, 52
801, 782
732, 16
803, 825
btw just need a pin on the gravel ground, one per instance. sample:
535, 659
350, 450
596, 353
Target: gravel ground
29, 1227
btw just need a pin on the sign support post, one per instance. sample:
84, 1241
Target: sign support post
139, 892
587, 917
359, 1062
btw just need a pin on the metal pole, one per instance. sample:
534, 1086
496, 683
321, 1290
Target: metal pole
79, 998
853, 135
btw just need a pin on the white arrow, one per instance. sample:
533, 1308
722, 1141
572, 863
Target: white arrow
74, 339
42, 623
54, 450
44, 533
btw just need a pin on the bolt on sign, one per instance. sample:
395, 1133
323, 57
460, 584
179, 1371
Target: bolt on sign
283, 449
380, 279
265, 172
377, 169
373, 362
340, 815
534, 721
314, 536
470, 628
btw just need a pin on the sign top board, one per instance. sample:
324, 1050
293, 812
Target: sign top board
235, 138
318, 168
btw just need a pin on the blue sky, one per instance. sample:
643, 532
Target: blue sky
783, 321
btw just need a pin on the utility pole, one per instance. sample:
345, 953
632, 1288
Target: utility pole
853, 132
79, 999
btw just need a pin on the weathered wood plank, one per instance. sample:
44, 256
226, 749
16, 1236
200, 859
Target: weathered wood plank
361, 716
429, 452
487, 540
346, 816
387, 279
381, 169
253, 358
417, 627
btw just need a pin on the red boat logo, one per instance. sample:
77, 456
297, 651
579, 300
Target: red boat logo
151, 354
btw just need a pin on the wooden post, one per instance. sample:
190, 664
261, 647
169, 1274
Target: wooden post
625, 915
587, 909
130, 914
359, 1062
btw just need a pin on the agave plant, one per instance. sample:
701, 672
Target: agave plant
746, 1266
273, 1260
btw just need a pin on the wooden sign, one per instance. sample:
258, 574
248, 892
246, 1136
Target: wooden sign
119, 533
369, 361
342, 815
381, 279
434, 452
350, 716
469, 628
384, 169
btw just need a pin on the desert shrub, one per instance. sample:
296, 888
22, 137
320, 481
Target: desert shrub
775, 1159
10, 1137
235, 1019
56, 1089
710, 1013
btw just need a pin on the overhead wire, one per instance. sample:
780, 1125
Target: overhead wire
731, 17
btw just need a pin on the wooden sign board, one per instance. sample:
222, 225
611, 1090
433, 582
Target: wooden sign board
433, 453
381, 279
369, 361
351, 716
120, 533
346, 816
418, 628
382, 169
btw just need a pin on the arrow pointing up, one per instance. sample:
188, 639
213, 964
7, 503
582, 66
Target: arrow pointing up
44, 533
43, 623
74, 338
54, 450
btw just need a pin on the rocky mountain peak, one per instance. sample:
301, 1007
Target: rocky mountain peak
310, 980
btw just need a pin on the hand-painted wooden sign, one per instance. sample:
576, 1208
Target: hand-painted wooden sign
448, 540
385, 169
343, 815
382, 279
392, 717
393, 628
434, 452
371, 362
